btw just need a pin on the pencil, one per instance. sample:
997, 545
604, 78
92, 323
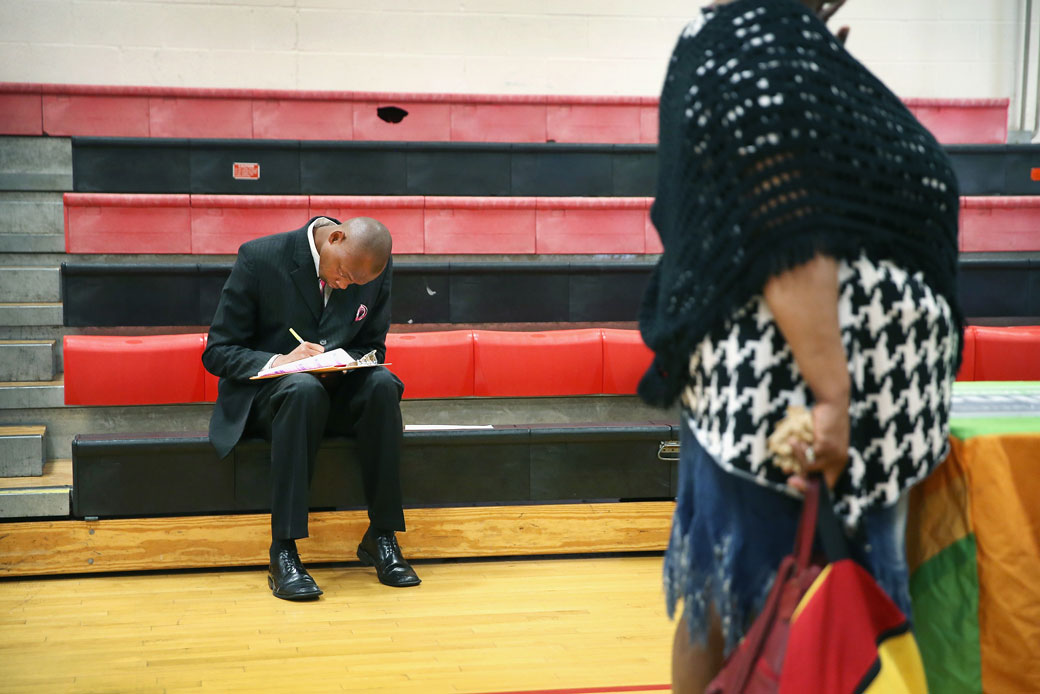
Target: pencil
294, 334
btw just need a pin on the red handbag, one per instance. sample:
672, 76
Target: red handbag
826, 628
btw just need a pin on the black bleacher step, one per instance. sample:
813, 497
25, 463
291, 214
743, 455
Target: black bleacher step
996, 169
995, 285
175, 474
115, 294
992, 285
153, 165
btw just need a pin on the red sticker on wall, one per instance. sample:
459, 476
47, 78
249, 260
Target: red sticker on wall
246, 171
1035, 174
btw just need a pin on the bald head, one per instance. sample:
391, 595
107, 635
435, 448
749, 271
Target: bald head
355, 252
368, 237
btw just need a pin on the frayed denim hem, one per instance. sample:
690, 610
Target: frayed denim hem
703, 592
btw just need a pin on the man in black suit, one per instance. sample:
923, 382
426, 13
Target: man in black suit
331, 283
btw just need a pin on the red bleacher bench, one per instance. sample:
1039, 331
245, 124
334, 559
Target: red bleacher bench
148, 370
117, 223
967, 370
219, 224
992, 223
166, 369
433, 364
558, 362
128, 111
963, 121
1006, 354
403, 214
625, 359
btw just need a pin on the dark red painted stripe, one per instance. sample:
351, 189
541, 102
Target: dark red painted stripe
592, 690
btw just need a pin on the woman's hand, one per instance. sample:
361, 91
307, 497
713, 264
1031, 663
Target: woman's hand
804, 303
830, 448
826, 11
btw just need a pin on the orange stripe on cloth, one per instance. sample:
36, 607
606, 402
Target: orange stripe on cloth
1004, 476
939, 512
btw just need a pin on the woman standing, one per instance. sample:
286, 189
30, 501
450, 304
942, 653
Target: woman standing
809, 225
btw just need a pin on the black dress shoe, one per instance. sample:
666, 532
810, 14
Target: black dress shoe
382, 551
288, 579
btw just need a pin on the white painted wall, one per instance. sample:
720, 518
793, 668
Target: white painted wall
921, 48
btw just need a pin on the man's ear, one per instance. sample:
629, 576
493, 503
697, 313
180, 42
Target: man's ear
336, 236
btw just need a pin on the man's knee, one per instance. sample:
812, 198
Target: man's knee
384, 385
303, 389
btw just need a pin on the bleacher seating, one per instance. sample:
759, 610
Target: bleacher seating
1000, 224
161, 369
113, 111
177, 474
219, 224
103, 370
285, 167
157, 369
1006, 354
993, 286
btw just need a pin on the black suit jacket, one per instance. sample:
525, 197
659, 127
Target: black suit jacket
273, 287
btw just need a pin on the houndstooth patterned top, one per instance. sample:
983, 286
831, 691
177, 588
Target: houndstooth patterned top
902, 350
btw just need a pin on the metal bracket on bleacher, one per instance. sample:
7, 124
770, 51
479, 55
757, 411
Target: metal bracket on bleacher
668, 451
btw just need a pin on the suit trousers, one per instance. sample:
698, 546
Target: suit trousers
293, 412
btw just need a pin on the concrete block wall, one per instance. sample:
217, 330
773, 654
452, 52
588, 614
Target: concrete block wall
922, 48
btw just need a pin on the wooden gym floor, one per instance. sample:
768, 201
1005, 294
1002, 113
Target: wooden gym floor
578, 625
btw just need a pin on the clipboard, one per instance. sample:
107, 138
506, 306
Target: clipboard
319, 370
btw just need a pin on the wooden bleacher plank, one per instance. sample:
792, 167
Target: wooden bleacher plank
56, 473
59, 381
192, 542
23, 430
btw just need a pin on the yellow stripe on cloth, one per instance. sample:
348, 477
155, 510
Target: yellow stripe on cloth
809, 593
901, 670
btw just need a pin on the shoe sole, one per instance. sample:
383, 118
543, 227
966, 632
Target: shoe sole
368, 560
298, 597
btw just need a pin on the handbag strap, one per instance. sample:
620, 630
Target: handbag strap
803, 542
792, 564
828, 527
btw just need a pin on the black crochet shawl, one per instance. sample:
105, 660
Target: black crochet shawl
776, 145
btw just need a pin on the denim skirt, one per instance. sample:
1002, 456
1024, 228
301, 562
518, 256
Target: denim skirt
730, 533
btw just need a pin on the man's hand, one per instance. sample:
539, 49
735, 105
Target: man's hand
302, 351
830, 445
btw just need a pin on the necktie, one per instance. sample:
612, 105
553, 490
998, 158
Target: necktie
321, 287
